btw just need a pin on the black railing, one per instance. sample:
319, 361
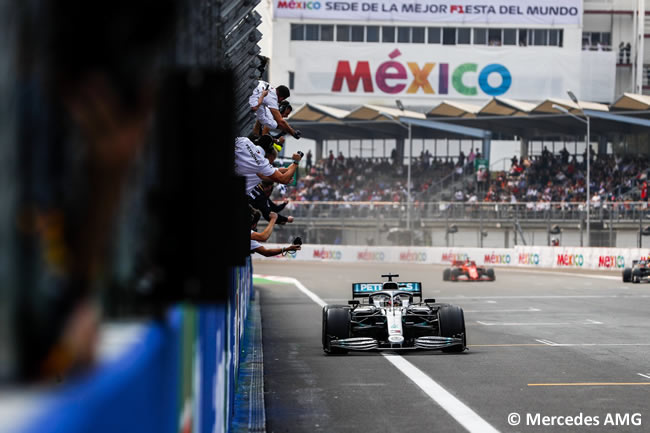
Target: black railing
615, 211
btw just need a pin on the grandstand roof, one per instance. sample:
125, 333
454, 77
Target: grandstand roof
506, 107
454, 109
378, 112
547, 106
318, 113
499, 115
631, 101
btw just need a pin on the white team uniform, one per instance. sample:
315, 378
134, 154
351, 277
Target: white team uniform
263, 113
249, 161
254, 243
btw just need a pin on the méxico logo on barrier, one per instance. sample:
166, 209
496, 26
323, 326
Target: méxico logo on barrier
324, 254
452, 257
497, 259
370, 256
412, 256
611, 262
529, 259
575, 260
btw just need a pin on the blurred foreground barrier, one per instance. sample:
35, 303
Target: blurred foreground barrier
177, 374
532, 256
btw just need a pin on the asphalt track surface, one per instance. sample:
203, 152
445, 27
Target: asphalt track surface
542, 344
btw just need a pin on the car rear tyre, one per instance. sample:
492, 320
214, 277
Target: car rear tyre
455, 273
627, 275
336, 325
490, 274
636, 277
446, 274
452, 324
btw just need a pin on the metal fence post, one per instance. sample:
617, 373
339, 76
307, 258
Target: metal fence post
480, 235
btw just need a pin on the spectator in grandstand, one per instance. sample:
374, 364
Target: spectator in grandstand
309, 160
426, 158
461, 159
259, 198
256, 238
564, 155
265, 102
471, 157
252, 162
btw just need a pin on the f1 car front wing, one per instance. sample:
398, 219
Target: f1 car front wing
427, 342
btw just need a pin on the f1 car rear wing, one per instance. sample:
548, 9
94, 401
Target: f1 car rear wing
363, 290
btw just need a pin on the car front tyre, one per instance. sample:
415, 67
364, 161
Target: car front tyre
627, 275
336, 325
452, 324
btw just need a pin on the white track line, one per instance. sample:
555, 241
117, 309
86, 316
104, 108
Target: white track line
314, 297
527, 310
644, 375
454, 407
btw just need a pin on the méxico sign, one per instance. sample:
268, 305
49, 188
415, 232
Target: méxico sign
549, 12
391, 77
371, 73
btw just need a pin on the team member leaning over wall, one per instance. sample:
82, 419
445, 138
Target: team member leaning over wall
251, 162
256, 238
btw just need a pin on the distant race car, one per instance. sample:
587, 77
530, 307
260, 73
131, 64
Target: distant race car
640, 271
467, 271
388, 318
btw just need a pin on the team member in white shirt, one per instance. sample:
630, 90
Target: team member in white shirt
256, 238
264, 101
251, 161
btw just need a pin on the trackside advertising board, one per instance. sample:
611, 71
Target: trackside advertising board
520, 256
548, 12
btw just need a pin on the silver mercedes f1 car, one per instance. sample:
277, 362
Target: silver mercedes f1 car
388, 318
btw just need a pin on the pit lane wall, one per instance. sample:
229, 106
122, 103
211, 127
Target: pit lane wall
537, 257
177, 376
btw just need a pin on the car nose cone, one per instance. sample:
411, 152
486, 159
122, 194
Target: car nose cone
396, 339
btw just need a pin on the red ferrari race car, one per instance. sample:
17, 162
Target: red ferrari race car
467, 271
